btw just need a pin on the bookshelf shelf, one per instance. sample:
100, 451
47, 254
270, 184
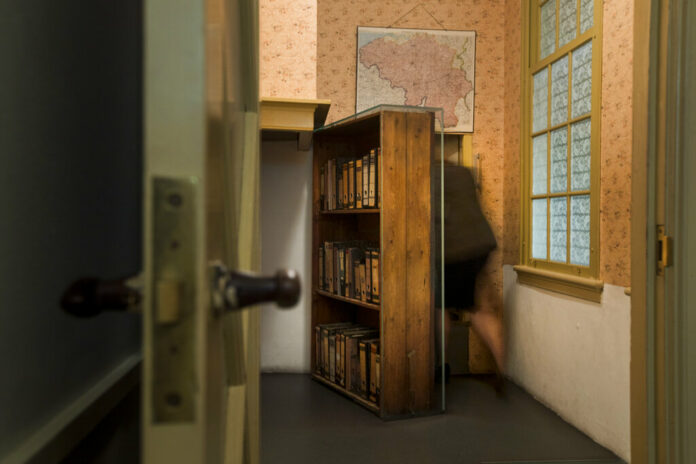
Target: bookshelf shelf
352, 211
359, 399
389, 347
364, 304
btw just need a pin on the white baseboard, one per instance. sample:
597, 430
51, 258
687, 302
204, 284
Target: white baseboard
54, 440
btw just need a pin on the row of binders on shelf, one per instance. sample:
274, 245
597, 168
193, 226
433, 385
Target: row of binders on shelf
350, 270
348, 355
350, 183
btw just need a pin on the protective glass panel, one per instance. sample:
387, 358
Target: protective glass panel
586, 14
580, 230
567, 16
356, 255
559, 160
582, 80
559, 91
539, 228
541, 98
559, 229
437, 180
580, 156
547, 36
539, 164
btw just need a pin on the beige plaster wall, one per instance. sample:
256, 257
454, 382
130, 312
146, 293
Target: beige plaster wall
288, 48
574, 356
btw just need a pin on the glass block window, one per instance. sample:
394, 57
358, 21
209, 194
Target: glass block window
547, 36
559, 229
539, 216
582, 80
586, 15
541, 99
580, 155
539, 164
567, 20
561, 134
559, 91
580, 230
559, 160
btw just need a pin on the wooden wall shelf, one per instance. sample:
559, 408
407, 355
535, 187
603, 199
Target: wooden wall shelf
353, 301
362, 401
292, 119
352, 211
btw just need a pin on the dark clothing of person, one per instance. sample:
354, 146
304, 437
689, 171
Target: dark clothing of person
468, 236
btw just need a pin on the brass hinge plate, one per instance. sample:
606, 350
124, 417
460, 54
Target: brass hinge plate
664, 250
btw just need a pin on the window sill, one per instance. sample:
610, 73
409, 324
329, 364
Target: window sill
579, 287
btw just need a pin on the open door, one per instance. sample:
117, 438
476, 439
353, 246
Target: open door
200, 244
201, 336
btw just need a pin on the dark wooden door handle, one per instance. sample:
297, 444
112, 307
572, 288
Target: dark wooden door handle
90, 296
233, 290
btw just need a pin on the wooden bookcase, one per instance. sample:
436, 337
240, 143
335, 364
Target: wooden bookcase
403, 228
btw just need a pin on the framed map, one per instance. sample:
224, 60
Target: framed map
418, 67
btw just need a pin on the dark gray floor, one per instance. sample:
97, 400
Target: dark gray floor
305, 422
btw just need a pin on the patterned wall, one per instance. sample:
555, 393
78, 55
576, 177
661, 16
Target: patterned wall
511, 189
337, 22
617, 136
288, 48
616, 139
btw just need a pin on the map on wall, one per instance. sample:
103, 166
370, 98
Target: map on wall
418, 67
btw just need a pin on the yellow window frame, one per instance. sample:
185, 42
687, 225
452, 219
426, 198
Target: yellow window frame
572, 279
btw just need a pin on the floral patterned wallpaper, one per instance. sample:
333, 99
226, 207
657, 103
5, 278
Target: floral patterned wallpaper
337, 22
288, 48
616, 139
511, 189
308, 51
617, 136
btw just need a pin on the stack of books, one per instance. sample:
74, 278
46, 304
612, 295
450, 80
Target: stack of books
350, 269
350, 183
348, 355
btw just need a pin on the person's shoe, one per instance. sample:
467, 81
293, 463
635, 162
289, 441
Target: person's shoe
500, 384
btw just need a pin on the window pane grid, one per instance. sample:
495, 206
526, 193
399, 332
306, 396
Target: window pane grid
559, 126
561, 136
547, 29
567, 21
561, 194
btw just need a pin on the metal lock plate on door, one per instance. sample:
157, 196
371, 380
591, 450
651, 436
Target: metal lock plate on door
174, 299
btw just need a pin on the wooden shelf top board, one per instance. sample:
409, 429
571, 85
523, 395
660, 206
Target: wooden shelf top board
364, 304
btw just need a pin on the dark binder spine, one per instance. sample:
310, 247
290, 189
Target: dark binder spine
320, 284
358, 183
351, 184
344, 185
368, 275
342, 271
322, 193
366, 180
374, 274
373, 180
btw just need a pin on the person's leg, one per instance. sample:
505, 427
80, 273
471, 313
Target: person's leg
439, 333
486, 320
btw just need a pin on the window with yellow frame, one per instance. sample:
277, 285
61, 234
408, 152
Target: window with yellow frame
560, 144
